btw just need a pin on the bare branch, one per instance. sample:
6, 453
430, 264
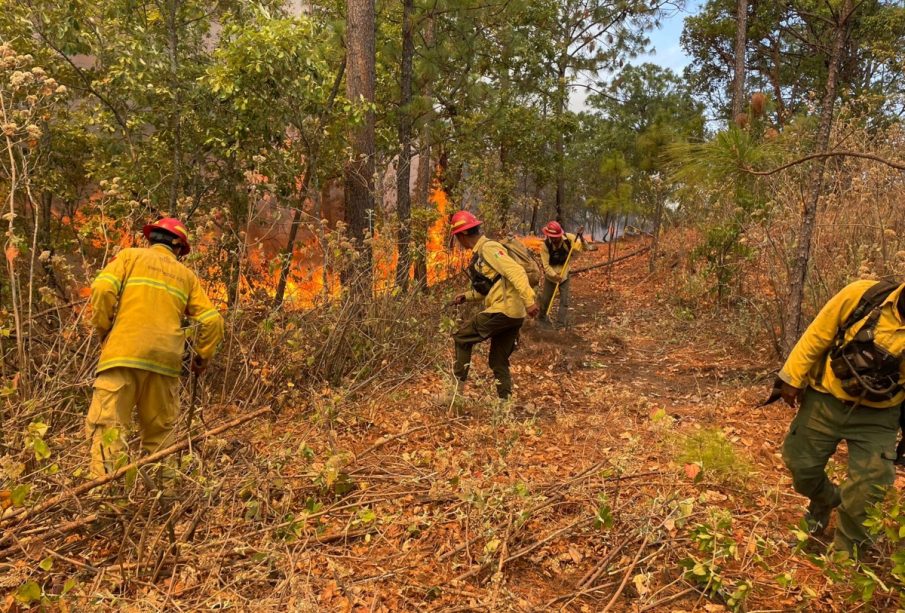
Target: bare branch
814, 156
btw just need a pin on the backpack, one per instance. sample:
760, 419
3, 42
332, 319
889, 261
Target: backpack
522, 256
558, 256
852, 362
866, 370
517, 250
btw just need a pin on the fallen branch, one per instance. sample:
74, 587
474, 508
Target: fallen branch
611, 262
625, 577
827, 154
56, 530
668, 599
24, 514
525, 550
384, 440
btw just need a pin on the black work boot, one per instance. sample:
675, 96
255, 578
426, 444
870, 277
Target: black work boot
818, 516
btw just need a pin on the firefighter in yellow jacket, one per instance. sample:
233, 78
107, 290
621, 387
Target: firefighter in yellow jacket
846, 374
554, 252
503, 285
139, 301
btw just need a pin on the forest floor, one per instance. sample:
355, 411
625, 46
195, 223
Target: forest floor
633, 453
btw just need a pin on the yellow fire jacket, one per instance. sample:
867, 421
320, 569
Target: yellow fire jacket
138, 301
551, 271
512, 293
808, 364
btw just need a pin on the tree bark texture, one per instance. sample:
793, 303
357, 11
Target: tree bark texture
741, 40
404, 168
799, 269
561, 146
360, 85
176, 112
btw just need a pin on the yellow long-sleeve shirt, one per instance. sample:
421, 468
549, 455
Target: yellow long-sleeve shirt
512, 293
551, 271
138, 301
808, 363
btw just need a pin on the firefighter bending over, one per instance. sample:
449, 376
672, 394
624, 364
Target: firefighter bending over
556, 258
502, 283
139, 301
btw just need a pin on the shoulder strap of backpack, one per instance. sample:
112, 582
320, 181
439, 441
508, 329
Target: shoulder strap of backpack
875, 295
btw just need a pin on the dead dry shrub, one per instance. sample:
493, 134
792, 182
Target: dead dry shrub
860, 232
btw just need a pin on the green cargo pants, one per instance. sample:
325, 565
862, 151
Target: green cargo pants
503, 334
822, 422
547, 295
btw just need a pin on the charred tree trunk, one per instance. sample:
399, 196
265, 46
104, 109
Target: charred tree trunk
799, 271
286, 264
741, 40
404, 168
359, 171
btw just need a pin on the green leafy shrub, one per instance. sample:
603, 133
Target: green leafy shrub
712, 451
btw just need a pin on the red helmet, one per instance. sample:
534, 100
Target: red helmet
463, 220
553, 230
174, 227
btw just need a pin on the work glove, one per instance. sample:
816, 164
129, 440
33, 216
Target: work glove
790, 394
460, 299
533, 310
198, 365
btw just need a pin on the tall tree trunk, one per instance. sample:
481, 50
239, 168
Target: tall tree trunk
359, 171
560, 143
741, 40
175, 115
506, 197
45, 241
799, 269
404, 168
538, 194
658, 221
425, 166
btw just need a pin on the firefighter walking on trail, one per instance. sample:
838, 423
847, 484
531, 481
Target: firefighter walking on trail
846, 374
554, 255
139, 301
503, 285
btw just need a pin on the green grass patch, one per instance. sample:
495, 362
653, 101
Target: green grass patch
715, 454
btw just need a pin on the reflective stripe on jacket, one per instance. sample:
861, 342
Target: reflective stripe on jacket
512, 293
808, 364
138, 303
551, 271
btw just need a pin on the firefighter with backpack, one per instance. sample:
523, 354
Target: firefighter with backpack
556, 256
846, 377
504, 285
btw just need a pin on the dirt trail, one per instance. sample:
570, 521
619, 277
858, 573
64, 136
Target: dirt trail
633, 445
571, 500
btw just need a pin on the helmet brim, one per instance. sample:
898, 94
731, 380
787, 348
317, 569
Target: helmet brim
464, 227
185, 248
